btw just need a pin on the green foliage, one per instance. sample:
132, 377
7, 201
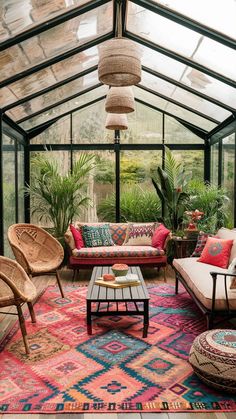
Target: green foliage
132, 171
171, 188
213, 201
57, 198
136, 205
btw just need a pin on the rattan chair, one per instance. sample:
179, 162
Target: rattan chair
15, 289
36, 250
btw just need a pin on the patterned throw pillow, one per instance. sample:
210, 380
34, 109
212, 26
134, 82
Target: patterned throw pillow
216, 252
97, 236
140, 234
232, 270
201, 241
118, 233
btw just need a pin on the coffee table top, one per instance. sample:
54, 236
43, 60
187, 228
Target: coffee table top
99, 293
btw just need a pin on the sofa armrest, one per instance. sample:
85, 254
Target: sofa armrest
214, 278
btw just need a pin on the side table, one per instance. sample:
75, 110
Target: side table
183, 248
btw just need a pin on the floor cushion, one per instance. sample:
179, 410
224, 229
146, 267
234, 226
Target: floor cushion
213, 358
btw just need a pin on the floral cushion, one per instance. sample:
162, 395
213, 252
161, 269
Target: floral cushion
118, 233
97, 236
120, 251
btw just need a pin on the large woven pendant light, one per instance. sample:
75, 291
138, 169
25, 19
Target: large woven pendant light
119, 63
119, 58
120, 100
116, 121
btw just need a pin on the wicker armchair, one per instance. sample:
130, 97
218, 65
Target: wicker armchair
15, 289
36, 250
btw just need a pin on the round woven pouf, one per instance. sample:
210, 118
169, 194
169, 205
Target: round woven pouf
213, 358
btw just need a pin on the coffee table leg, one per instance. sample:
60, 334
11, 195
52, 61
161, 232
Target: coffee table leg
145, 318
89, 318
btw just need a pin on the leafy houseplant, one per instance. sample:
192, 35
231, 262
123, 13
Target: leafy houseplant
58, 198
171, 187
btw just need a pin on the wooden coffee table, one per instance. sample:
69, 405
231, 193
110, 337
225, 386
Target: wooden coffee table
135, 294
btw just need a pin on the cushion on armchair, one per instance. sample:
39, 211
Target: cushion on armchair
216, 252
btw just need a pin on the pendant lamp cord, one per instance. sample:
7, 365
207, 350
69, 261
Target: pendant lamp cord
119, 19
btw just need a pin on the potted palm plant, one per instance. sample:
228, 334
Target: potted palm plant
57, 198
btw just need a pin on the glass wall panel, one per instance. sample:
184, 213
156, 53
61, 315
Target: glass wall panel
144, 126
188, 76
21, 182
18, 15
164, 105
58, 133
186, 42
228, 164
54, 96
193, 161
221, 18
183, 97
9, 189
65, 107
214, 164
100, 187
57, 40
49, 76
176, 133
139, 200
89, 125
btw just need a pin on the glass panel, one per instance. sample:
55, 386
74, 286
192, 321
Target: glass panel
139, 200
214, 163
182, 96
89, 125
175, 110
62, 159
65, 107
185, 42
189, 76
144, 126
193, 162
21, 183
9, 191
176, 133
100, 186
219, 16
49, 76
57, 40
228, 163
48, 99
58, 133
18, 15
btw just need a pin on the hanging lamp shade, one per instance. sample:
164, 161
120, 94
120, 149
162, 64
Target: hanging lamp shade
116, 121
119, 63
120, 100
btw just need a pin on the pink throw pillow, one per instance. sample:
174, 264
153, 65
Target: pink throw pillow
216, 252
79, 243
159, 236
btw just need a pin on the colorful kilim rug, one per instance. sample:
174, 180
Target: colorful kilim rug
115, 369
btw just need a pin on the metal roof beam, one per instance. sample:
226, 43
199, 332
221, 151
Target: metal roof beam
56, 59
51, 23
179, 58
227, 127
60, 102
187, 22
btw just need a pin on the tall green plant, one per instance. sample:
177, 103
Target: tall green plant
170, 185
58, 198
136, 205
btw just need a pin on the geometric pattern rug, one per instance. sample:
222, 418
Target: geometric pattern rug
114, 369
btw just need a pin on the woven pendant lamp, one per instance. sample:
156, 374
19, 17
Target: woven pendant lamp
120, 100
116, 121
119, 63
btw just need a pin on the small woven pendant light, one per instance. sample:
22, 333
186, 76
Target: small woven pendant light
120, 100
116, 121
119, 63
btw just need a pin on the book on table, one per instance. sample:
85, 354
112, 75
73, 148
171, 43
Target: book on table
130, 280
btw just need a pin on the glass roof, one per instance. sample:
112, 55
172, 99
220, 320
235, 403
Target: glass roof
185, 42
191, 73
216, 14
56, 41
19, 15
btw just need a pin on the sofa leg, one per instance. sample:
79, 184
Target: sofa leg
209, 319
176, 284
74, 275
164, 273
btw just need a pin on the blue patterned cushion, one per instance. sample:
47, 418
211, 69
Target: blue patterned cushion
97, 236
